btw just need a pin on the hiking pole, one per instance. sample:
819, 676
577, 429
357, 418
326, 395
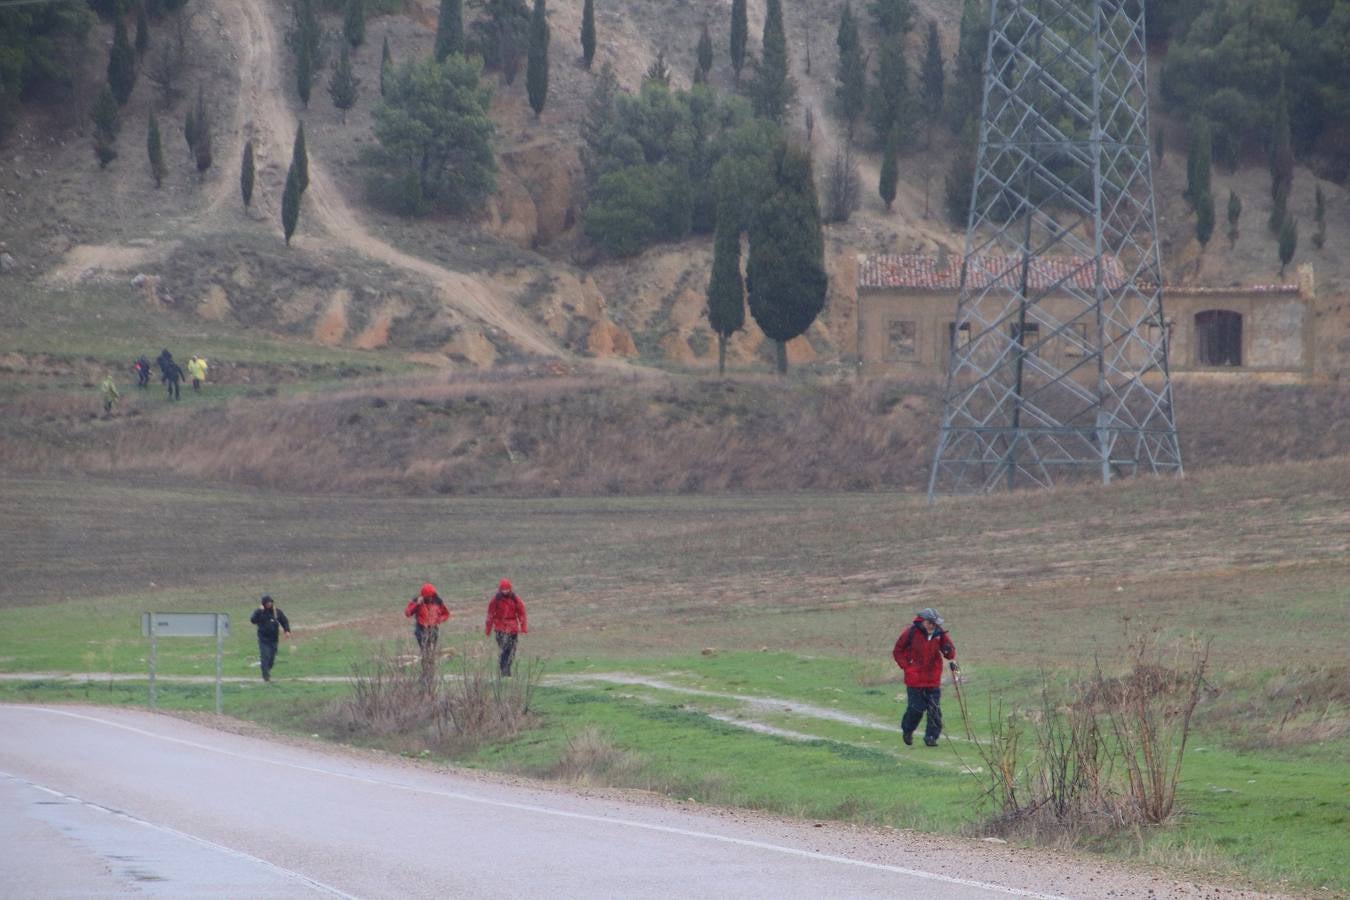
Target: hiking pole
960, 699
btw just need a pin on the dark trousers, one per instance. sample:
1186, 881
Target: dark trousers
267, 655
426, 637
921, 701
171, 385
507, 643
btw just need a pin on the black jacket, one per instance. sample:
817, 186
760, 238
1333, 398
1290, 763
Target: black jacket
270, 623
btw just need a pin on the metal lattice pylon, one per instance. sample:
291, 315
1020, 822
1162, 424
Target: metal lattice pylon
1059, 350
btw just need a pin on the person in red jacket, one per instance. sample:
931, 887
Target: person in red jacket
506, 617
430, 611
919, 653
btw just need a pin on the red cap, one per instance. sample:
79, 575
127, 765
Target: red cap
505, 586
428, 590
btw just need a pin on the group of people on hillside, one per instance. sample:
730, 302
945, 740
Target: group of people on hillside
505, 619
171, 375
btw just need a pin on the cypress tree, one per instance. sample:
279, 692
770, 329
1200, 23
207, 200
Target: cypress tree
893, 17
932, 80
386, 67
1288, 242
705, 52
1199, 158
890, 171
960, 180
300, 159
588, 32
304, 72
1234, 213
290, 204
142, 29
740, 33
536, 66
1279, 210
247, 174
891, 104
190, 131
121, 64
106, 126
1204, 223
1159, 146
1281, 150
154, 151
354, 22
785, 270
967, 90
1320, 217
450, 29
773, 90
201, 145
343, 85
851, 92
726, 288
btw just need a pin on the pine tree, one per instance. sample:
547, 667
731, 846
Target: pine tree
201, 145
705, 52
726, 288
106, 126
154, 151
344, 85
1288, 242
1320, 217
304, 72
300, 159
247, 174
354, 22
536, 66
851, 92
773, 89
290, 204
740, 33
121, 64
932, 81
785, 269
588, 32
142, 29
890, 171
450, 29
386, 67
1234, 213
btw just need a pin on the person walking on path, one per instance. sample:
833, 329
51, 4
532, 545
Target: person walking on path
170, 373
506, 617
110, 395
271, 622
429, 610
142, 369
919, 653
197, 372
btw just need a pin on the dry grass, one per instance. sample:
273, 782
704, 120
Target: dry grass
530, 433
590, 758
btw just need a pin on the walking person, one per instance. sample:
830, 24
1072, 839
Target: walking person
110, 395
506, 617
429, 610
197, 372
919, 653
170, 373
142, 369
271, 622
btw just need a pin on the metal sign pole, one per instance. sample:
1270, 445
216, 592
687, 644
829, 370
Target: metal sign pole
152, 661
220, 650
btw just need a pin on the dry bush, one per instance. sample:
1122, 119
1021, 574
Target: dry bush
426, 710
590, 758
1104, 756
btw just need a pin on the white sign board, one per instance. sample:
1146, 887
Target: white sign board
185, 624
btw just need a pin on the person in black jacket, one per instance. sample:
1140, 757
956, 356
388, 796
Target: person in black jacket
271, 622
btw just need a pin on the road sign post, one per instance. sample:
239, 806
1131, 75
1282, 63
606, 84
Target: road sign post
155, 625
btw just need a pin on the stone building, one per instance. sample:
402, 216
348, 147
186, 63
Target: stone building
907, 311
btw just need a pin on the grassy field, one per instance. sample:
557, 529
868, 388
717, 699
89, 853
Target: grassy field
735, 649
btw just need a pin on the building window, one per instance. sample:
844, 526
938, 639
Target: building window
1218, 338
1075, 339
903, 337
957, 338
1031, 332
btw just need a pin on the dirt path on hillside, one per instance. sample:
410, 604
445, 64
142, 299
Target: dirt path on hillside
264, 116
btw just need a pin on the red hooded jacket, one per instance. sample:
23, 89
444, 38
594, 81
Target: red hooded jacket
506, 613
920, 655
430, 612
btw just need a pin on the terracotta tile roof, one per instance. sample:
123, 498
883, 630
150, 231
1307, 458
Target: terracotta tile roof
917, 272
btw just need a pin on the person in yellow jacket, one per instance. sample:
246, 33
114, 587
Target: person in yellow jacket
110, 394
197, 372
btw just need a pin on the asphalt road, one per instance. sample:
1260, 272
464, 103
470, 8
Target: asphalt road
97, 802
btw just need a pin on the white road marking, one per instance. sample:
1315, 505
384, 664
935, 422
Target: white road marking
201, 841
564, 814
